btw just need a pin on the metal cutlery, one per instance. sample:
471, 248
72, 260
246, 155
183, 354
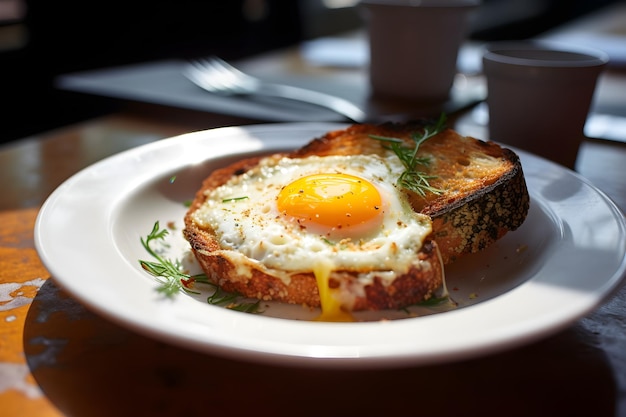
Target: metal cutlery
219, 77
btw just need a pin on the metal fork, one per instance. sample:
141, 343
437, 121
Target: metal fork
219, 77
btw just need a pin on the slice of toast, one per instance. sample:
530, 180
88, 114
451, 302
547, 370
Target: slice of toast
483, 196
484, 192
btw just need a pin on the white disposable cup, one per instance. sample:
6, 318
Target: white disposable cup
539, 96
414, 46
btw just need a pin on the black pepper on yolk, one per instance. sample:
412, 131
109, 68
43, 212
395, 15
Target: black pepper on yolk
337, 205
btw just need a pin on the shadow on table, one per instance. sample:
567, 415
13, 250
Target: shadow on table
89, 366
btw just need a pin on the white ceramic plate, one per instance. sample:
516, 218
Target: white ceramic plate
565, 259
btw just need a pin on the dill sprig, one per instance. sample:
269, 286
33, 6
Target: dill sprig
169, 273
173, 280
412, 178
432, 302
230, 300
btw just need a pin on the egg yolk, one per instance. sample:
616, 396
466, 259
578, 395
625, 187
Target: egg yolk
331, 307
336, 202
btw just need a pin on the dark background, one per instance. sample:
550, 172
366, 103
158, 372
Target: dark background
65, 36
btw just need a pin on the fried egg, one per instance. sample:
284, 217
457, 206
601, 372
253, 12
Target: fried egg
319, 214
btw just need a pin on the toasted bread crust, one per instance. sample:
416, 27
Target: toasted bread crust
478, 206
417, 285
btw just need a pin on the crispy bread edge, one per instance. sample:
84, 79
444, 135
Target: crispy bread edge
474, 223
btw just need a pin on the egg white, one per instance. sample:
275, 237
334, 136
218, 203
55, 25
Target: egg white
245, 219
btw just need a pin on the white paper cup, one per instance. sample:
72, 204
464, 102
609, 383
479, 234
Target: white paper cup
414, 46
539, 96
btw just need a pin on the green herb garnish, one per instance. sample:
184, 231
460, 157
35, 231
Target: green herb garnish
228, 200
173, 280
413, 178
434, 301
229, 300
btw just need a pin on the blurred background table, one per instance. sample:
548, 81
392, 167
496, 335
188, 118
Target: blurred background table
41, 40
59, 359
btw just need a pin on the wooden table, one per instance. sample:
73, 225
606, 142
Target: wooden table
57, 358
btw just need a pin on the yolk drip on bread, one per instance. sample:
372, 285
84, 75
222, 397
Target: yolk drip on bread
331, 306
337, 205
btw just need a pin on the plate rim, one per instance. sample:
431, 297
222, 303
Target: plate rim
346, 356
